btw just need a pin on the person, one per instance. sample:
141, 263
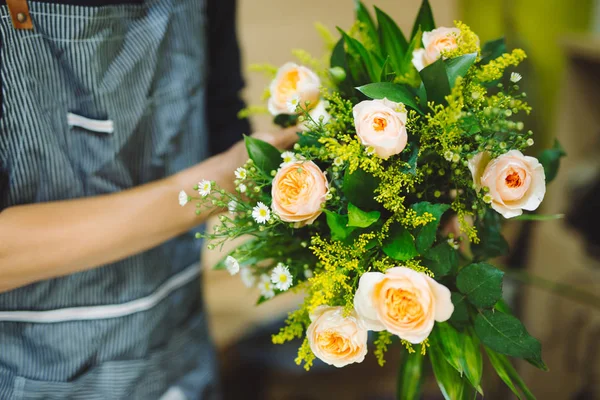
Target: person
108, 109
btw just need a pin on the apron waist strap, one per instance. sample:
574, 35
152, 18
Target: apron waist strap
107, 311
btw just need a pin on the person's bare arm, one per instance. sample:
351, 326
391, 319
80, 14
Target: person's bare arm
46, 240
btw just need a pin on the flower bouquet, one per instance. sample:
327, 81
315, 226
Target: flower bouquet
410, 155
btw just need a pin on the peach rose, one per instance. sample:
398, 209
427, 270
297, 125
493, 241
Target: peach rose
298, 191
381, 124
403, 301
516, 182
293, 82
318, 113
335, 339
434, 43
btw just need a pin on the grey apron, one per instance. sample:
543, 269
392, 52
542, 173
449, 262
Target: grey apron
96, 100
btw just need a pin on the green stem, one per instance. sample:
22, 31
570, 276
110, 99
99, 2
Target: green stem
560, 289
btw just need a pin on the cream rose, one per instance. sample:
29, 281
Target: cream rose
403, 301
434, 43
381, 124
293, 82
318, 113
516, 182
335, 339
299, 190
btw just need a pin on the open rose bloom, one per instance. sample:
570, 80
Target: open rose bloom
293, 83
381, 124
403, 302
336, 339
298, 192
515, 182
434, 43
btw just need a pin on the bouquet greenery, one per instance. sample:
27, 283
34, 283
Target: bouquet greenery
409, 158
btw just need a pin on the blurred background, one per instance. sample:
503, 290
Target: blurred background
554, 263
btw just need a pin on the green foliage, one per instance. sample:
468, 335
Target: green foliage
460, 316
550, 159
452, 385
492, 243
361, 219
492, 50
364, 17
364, 63
481, 283
400, 244
435, 81
285, 120
458, 67
441, 259
410, 376
359, 188
426, 235
338, 225
424, 21
266, 157
509, 374
507, 335
392, 91
391, 39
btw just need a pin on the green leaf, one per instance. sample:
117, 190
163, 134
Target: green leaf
387, 72
285, 120
424, 19
550, 159
507, 335
361, 219
356, 49
400, 244
412, 159
363, 15
338, 225
359, 188
460, 316
410, 376
472, 361
266, 157
508, 373
492, 243
426, 234
435, 80
446, 338
481, 283
538, 217
492, 50
415, 43
338, 59
461, 351
441, 259
391, 38
459, 66
392, 91
453, 387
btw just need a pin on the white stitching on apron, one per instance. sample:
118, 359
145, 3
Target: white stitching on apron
107, 311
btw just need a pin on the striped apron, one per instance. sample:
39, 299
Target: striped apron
98, 99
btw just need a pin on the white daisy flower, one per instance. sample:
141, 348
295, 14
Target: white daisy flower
232, 206
266, 287
248, 278
261, 213
338, 162
242, 188
204, 188
515, 77
293, 103
281, 277
288, 157
232, 265
241, 173
183, 198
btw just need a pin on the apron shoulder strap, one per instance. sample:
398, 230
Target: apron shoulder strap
19, 13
